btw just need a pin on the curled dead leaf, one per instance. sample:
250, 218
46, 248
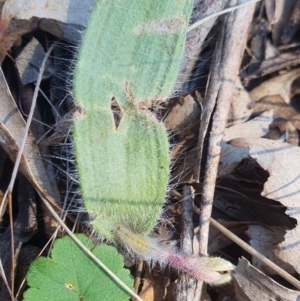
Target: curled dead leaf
11, 134
280, 85
281, 160
72, 12
230, 155
21, 16
265, 240
251, 284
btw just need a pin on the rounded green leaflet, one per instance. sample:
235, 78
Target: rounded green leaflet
70, 275
130, 54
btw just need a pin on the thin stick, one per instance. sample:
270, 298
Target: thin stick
28, 123
187, 287
219, 13
12, 242
256, 254
8, 192
89, 253
224, 71
138, 275
2, 274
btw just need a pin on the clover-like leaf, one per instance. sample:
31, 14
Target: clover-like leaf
71, 275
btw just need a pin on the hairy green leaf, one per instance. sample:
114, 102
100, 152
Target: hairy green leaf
130, 54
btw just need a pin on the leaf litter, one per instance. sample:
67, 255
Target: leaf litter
255, 191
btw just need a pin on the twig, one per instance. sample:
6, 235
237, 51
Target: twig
28, 123
225, 69
2, 274
219, 13
187, 286
8, 192
187, 234
256, 254
138, 275
12, 240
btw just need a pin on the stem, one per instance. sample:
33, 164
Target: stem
209, 269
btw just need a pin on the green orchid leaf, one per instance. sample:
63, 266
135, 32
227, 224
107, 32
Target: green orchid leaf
130, 54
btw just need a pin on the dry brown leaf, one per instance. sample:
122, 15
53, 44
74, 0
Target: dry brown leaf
277, 63
281, 109
289, 129
183, 121
29, 62
276, 94
240, 200
281, 160
66, 32
13, 121
186, 109
279, 85
230, 155
270, 51
156, 287
253, 285
264, 240
13, 34
241, 105
12, 129
71, 12
256, 127
11, 148
21, 16
257, 45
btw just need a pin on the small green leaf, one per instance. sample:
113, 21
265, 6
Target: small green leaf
71, 275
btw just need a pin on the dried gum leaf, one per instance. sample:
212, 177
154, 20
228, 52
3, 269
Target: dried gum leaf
251, 283
72, 12
281, 160
265, 240
230, 155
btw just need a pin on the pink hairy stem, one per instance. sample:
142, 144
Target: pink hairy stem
213, 270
